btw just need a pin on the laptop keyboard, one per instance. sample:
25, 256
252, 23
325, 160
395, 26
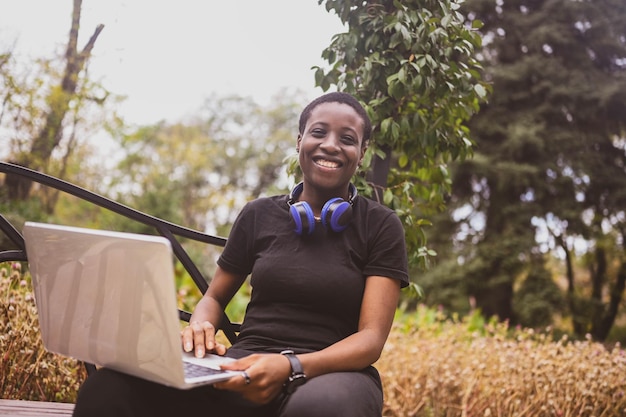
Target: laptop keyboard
192, 370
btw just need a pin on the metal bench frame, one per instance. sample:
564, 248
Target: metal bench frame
166, 229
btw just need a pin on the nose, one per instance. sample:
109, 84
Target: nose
331, 143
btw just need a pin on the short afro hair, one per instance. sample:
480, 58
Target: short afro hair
338, 97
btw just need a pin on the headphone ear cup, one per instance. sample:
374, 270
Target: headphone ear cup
302, 217
336, 214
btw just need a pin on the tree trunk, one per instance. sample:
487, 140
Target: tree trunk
602, 328
59, 103
377, 176
495, 300
577, 323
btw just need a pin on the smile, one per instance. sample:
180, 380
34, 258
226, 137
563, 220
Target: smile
327, 164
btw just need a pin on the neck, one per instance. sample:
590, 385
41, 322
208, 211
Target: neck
317, 199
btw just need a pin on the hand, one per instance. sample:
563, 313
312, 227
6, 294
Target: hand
200, 337
266, 375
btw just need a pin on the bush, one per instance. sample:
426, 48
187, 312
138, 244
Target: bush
431, 365
437, 367
28, 371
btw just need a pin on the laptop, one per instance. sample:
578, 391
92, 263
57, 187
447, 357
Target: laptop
109, 298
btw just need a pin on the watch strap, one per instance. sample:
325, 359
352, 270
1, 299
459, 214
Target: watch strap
296, 366
297, 376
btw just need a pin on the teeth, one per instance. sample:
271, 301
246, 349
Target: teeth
327, 164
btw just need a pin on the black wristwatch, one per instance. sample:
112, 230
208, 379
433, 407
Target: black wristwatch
297, 376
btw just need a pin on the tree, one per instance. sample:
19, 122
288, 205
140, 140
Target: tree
199, 172
551, 158
539, 298
195, 172
412, 64
62, 99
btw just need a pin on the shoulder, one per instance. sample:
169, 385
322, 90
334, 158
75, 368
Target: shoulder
371, 204
258, 216
374, 210
262, 210
377, 219
384, 233
379, 222
262, 204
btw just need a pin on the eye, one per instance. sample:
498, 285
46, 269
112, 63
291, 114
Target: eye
318, 133
351, 140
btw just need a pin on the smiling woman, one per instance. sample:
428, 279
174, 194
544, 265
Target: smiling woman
167, 57
321, 305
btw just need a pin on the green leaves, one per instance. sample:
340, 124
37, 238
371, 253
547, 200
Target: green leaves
480, 90
412, 64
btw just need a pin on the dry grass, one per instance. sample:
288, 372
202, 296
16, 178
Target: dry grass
436, 367
28, 372
430, 367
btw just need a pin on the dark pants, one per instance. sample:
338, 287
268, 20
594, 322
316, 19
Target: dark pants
342, 394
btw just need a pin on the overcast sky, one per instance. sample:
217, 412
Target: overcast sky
167, 56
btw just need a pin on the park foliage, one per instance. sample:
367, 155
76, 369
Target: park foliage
432, 365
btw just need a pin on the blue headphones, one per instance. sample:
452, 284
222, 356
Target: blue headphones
336, 213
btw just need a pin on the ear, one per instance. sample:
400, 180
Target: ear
363, 150
298, 143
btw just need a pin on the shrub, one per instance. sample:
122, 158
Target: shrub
432, 366
27, 371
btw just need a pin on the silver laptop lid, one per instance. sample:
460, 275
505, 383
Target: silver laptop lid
107, 298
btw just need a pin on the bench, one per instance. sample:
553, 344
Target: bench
169, 230
20, 408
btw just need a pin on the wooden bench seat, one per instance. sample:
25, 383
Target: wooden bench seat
22, 408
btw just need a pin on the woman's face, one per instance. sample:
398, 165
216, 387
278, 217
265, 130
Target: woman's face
330, 147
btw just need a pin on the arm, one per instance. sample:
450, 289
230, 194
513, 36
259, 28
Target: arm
200, 334
364, 347
268, 372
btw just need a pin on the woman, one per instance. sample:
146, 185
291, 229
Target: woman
326, 269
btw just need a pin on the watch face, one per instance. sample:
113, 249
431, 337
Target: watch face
297, 380
294, 382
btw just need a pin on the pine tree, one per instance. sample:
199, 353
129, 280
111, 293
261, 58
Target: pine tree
550, 149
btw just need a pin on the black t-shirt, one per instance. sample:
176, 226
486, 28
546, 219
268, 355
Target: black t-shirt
307, 290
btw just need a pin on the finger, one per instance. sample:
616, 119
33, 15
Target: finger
199, 337
242, 364
209, 335
237, 383
187, 339
220, 349
246, 378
